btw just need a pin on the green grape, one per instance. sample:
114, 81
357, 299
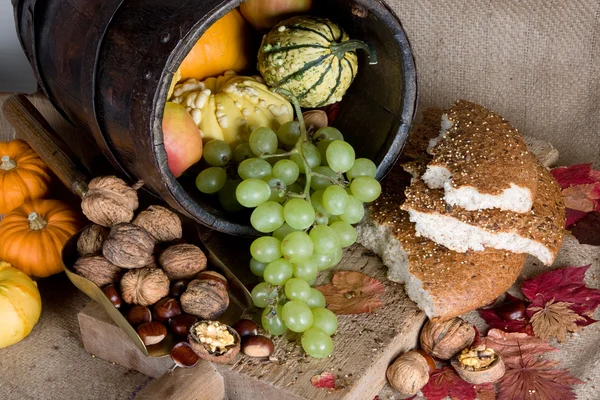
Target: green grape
362, 167
316, 199
278, 272
272, 322
287, 171
323, 261
298, 213
297, 289
267, 217
217, 153
337, 257
321, 219
316, 343
346, 232
365, 188
289, 133
297, 246
254, 168
263, 294
320, 183
252, 192
311, 281
325, 239
306, 270
273, 160
266, 249
257, 267
316, 299
227, 197
283, 231
324, 320
263, 141
328, 133
322, 147
312, 155
334, 218
335, 200
242, 152
295, 188
211, 180
354, 212
340, 156
296, 316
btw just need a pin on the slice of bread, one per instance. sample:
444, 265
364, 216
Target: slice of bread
481, 161
442, 282
539, 232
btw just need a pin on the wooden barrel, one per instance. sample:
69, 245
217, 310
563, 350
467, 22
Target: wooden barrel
106, 66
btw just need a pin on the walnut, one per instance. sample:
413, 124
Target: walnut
144, 286
182, 261
97, 269
128, 246
214, 341
409, 373
479, 365
91, 239
205, 297
109, 201
164, 225
446, 339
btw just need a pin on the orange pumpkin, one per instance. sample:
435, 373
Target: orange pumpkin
20, 305
23, 175
224, 46
34, 234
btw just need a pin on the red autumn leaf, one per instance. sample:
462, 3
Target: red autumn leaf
512, 346
323, 380
573, 216
587, 229
491, 318
485, 391
446, 382
582, 197
351, 292
579, 174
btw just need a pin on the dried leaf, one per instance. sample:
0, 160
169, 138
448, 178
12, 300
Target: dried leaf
554, 320
512, 346
582, 197
579, 174
485, 391
573, 216
587, 228
491, 318
446, 382
323, 380
351, 292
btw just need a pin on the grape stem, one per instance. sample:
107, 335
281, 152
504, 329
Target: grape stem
287, 153
336, 181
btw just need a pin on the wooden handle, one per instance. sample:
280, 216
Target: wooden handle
30, 125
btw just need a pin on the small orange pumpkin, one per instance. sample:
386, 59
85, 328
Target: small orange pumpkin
34, 234
23, 175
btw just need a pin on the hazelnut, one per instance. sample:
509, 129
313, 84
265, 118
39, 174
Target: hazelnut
446, 339
162, 224
128, 246
91, 239
109, 201
409, 373
214, 341
97, 269
183, 355
246, 327
479, 365
257, 346
182, 261
151, 332
138, 315
144, 286
205, 298
181, 324
166, 309
111, 292
178, 287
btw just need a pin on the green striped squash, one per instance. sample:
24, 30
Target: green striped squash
311, 57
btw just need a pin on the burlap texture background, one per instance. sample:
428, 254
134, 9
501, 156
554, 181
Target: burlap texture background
535, 62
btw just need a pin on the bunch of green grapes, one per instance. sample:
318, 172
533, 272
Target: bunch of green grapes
306, 193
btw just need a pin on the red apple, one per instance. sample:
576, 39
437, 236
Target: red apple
181, 138
265, 14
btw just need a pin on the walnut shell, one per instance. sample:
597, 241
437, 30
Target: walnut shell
109, 201
162, 224
144, 286
490, 374
128, 246
205, 298
97, 269
409, 373
182, 261
91, 239
446, 339
204, 350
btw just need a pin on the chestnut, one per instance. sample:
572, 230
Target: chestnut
138, 315
111, 292
166, 309
257, 346
178, 287
214, 341
512, 309
246, 327
152, 332
180, 324
429, 359
183, 356
213, 276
